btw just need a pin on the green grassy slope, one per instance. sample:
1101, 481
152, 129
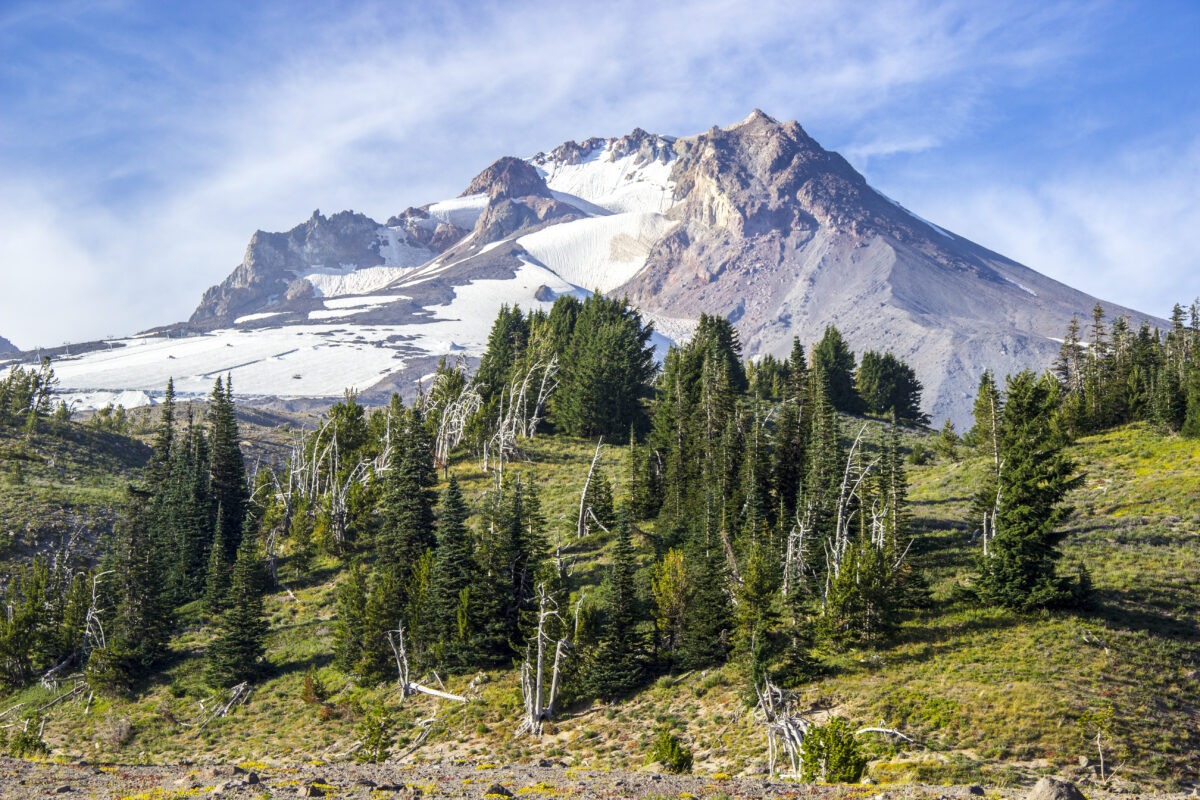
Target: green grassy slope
988, 695
62, 482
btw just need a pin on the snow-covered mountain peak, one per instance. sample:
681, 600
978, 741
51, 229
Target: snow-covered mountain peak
755, 221
629, 173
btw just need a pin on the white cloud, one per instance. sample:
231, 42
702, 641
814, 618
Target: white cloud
1125, 228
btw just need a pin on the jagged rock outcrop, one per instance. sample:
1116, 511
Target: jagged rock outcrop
518, 200
272, 274
508, 178
273, 261
7, 347
647, 146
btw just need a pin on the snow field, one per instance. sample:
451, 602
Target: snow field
309, 360
254, 317
598, 253
299, 361
461, 212
337, 283
617, 185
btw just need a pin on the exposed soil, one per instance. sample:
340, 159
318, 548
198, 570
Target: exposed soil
25, 779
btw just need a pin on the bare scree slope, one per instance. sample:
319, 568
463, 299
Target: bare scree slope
755, 221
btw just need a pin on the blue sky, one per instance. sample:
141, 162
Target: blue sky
142, 143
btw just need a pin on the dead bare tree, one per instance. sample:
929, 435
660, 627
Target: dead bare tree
581, 525
796, 551
539, 701
407, 685
520, 412
787, 728
455, 401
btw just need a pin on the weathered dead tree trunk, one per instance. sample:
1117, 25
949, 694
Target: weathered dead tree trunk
581, 525
407, 686
539, 703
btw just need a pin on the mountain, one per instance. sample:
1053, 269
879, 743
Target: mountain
755, 221
7, 347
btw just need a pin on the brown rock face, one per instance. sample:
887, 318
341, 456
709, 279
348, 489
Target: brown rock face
508, 178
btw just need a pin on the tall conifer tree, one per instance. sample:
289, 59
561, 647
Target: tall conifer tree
235, 654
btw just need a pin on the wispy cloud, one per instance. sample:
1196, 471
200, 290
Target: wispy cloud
1126, 230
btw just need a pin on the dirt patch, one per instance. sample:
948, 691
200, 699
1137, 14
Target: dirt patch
545, 779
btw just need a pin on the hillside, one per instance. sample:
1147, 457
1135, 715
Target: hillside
60, 488
989, 696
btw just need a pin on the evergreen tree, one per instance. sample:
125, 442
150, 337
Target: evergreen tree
1191, 421
1096, 372
756, 613
513, 554
673, 590
1018, 568
826, 460
383, 611
349, 624
226, 467
789, 458
506, 342
887, 385
605, 371
42, 612
645, 488
218, 572
407, 529
706, 627
139, 624
164, 438
235, 654
457, 585
600, 498
836, 361
797, 369
615, 667
986, 433
184, 515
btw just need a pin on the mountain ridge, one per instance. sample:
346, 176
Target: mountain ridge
754, 221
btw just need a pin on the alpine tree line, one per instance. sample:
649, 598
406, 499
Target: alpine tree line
1111, 375
760, 520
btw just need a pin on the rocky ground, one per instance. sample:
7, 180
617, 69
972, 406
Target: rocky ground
26, 779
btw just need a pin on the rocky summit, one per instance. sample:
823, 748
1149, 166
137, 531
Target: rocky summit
755, 221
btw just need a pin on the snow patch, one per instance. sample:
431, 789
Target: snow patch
290, 361
598, 253
337, 307
255, 317
93, 401
1020, 286
462, 212
336, 283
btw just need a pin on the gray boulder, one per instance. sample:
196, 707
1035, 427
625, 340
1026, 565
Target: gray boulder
1054, 789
